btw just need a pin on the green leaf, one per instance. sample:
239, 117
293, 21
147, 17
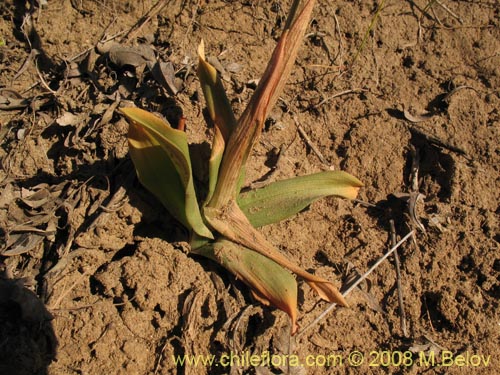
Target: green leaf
197, 242
161, 158
220, 112
270, 283
283, 199
218, 105
232, 223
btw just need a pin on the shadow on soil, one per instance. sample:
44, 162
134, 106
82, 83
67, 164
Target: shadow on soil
27, 340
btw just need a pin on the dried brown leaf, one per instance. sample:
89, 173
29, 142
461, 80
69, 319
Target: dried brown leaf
37, 199
20, 243
11, 100
164, 74
133, 56
251, 121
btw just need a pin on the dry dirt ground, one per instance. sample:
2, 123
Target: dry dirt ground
96, 276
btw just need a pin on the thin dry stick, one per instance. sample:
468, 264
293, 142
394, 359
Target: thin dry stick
358, 281
326, 100
155, 9
264, 180
437, 18
31, 57
78, 308
367, 34
429, 316
428, 6
341, 47
189, 29
101, 41
366, 204
402, 314
160, 356
115, 203
66, 292
450, 11
42, 80
438, 141
309, 142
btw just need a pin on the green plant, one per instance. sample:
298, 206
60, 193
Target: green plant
224, 227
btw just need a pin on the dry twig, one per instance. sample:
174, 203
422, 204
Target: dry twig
155, 9
454, 15
355, 284
264, 180
437, 141
326, 100
341, 47
309, 142
402, 314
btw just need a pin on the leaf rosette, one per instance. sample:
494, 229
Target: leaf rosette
225, 226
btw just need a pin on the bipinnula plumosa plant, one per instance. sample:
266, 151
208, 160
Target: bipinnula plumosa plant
224, 226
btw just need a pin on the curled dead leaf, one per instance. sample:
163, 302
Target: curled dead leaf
417, 118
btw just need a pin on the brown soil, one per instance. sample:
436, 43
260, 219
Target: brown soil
85, 244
